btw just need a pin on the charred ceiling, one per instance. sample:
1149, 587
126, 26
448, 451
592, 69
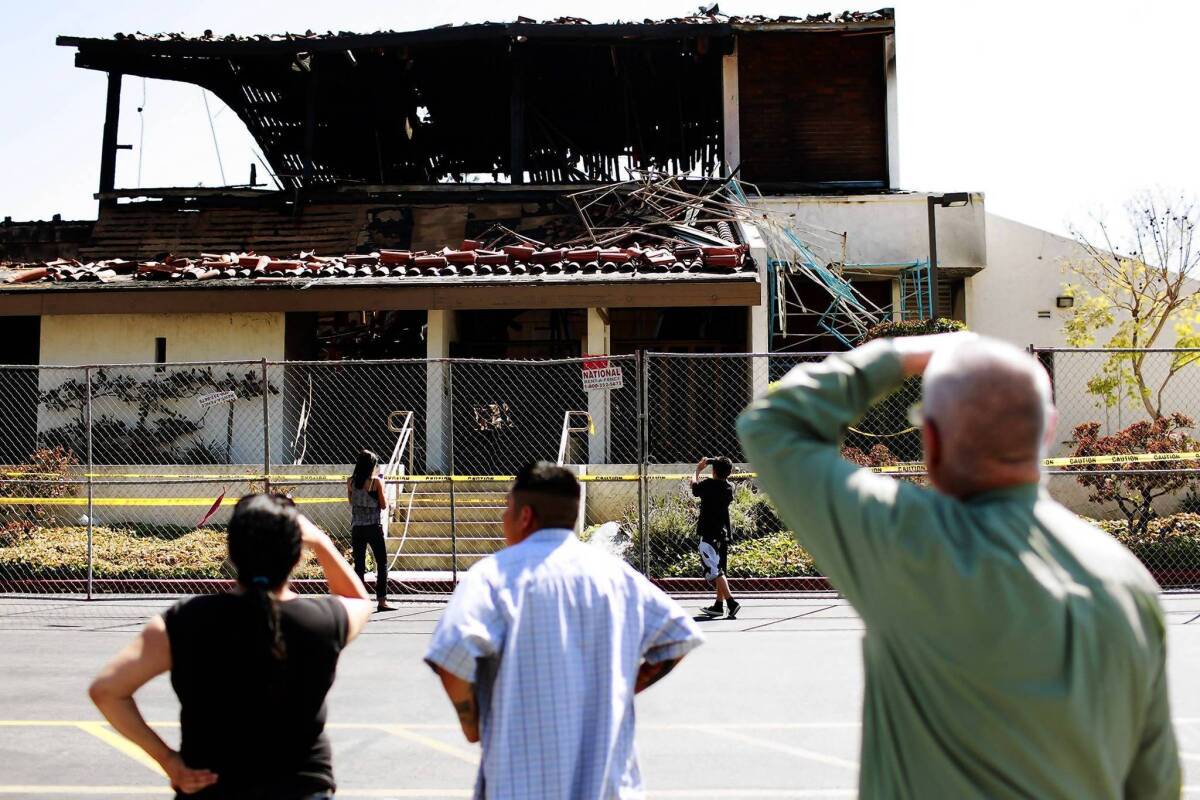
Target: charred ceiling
499, 107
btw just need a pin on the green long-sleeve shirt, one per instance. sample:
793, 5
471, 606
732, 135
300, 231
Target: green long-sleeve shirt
1011, 649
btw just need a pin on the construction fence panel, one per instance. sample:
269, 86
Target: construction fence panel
119, 480
329, 411
692, 404
581, 413
693, 401
38, 487
1132, 406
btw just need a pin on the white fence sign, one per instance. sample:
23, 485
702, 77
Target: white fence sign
207, 400
598, 373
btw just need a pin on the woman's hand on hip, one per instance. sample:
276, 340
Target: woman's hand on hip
185, 779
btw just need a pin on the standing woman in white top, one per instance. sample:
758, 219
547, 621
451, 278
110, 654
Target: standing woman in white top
368, 514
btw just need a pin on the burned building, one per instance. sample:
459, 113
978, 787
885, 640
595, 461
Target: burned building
708, 184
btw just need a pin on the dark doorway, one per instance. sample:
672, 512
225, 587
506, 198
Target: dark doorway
334, 409
520, 334
18, 425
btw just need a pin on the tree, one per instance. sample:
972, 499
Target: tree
1134, 486
1135, 283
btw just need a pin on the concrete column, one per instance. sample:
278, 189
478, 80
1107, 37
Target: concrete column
893, 111
439, 333
759, 334
897, 301
731, 121
598, 342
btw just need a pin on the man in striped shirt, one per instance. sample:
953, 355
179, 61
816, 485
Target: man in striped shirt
543, 647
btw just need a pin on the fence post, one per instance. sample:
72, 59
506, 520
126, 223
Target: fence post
643, 368
87, 371
450, 456
266, 415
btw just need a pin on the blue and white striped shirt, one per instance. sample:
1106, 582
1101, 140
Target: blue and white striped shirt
552, 633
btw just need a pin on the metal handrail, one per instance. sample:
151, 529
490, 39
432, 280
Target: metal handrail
567, 430
399, 422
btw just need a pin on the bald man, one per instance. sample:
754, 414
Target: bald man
1011, 649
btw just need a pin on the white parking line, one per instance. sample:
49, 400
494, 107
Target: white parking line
799, 752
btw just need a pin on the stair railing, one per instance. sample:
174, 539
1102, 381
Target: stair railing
394, 472
567, 429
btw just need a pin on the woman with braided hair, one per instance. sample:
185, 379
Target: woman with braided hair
257, 658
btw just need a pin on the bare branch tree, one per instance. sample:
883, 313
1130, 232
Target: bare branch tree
1135, 283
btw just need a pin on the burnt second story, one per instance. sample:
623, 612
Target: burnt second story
792, 103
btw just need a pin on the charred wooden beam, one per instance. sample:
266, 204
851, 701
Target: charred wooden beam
108, 145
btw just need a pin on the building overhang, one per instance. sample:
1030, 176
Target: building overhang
383, 294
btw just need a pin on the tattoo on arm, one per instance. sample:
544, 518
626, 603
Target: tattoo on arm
650, 674
466, 710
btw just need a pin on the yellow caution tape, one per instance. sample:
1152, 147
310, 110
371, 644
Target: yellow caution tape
882, 435
1121, 458
142, 501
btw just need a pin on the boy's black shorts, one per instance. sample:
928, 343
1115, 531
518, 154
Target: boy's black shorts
714, 554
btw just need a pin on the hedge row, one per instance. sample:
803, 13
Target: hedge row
121, 553
761, 550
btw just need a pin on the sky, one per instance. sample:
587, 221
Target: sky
1056, 110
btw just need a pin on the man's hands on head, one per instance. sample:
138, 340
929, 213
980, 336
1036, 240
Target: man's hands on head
915, 351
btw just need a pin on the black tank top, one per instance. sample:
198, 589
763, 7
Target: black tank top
259, 726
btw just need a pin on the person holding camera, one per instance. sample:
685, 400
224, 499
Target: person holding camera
251, 667
715, 530
368, 516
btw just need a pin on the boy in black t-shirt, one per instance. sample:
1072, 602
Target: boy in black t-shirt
716, 495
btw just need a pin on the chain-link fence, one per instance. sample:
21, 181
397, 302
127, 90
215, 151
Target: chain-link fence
119, 480
1128, 418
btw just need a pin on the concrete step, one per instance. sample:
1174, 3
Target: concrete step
442, 513
465, 527
471, 545
434, 561
425, 496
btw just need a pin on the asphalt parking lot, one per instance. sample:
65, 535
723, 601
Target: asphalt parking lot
768, 708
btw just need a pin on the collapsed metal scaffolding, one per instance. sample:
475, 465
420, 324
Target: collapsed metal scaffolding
653, 207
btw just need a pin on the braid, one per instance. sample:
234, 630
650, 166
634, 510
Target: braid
269, 609
264, 545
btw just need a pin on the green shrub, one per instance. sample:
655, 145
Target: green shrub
1166, 542
913, 327
671, 524
775, 555
758, 551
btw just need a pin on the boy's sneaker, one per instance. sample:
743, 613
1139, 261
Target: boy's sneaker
734, 605
715, 610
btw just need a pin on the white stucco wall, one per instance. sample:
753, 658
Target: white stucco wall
130, 339
893, 228
1023, 276
1028, 268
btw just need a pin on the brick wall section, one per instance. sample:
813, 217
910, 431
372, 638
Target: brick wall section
812, 107
152, 229
41, 240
